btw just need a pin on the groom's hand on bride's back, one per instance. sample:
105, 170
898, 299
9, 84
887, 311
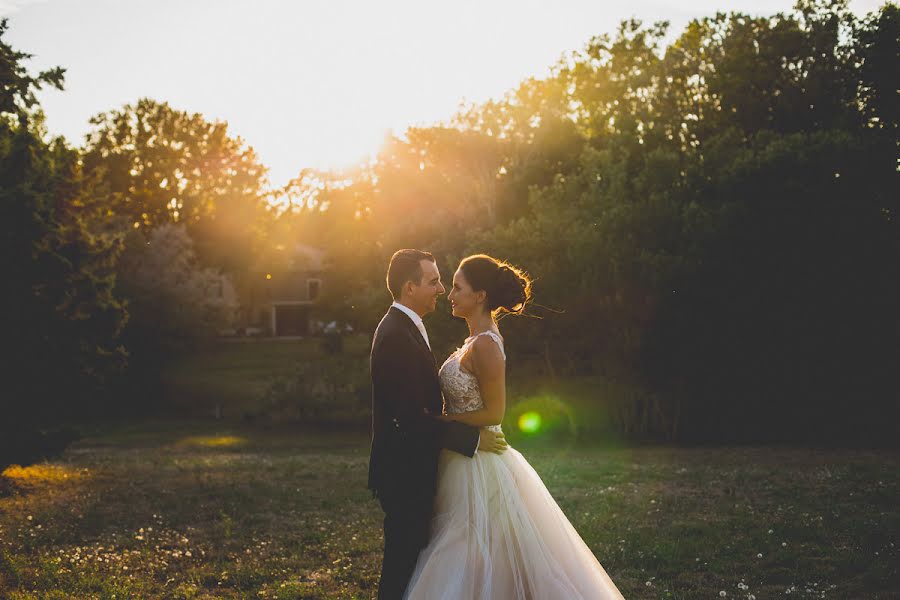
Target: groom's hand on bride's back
492, 441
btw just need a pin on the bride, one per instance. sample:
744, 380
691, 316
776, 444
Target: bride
497, 533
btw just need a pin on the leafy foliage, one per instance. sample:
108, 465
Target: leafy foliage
711, 221
715, 218
172, 294
162, 166
60, 318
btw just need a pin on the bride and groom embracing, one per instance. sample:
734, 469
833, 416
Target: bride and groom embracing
466, 516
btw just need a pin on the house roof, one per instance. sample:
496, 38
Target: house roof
306, 258
298, 257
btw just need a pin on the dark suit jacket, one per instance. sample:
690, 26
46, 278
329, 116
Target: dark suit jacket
405, 440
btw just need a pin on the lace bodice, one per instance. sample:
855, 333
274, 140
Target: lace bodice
459, 387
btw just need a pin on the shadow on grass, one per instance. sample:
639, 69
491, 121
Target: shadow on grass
194, 509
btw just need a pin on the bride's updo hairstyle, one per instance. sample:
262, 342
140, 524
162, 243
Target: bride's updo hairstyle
508, 289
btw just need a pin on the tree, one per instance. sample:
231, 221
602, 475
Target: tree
730, 184
163, 166
17, 86
58, 311
173, 297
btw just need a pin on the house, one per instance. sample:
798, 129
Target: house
279, 300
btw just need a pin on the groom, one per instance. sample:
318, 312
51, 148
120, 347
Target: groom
406, 439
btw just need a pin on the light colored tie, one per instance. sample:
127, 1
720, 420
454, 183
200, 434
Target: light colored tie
424, 335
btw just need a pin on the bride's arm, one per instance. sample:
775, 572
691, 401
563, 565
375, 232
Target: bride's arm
489, 368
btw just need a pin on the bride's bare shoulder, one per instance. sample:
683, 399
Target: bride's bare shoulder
486, 353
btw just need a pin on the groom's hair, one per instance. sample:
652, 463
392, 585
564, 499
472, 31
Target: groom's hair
405, 266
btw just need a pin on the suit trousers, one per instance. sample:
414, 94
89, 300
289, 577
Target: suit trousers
406, 529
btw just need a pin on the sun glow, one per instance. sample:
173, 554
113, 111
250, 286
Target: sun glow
220, 441
40, 473
320, 84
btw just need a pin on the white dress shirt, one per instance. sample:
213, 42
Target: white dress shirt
420, 325
416, 319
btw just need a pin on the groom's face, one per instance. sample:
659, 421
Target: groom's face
423, 297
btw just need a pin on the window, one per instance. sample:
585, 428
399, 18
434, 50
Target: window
312, 288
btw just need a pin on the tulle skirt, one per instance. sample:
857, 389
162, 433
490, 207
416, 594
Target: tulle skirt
498, 534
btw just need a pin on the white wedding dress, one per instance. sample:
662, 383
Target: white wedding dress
497, 533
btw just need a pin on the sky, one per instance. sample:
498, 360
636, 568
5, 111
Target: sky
315, 83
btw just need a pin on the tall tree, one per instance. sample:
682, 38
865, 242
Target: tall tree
58, 310
161, 166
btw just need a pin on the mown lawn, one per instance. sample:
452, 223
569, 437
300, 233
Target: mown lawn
198, 510
236, 373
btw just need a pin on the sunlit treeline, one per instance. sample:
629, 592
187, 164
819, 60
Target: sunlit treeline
716, 217
712, 223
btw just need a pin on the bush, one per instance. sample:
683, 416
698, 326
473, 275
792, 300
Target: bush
28, 446
333, 390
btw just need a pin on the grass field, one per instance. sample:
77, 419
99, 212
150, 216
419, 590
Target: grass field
236, 373
198, 510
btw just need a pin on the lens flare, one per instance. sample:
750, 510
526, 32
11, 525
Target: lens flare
530, 422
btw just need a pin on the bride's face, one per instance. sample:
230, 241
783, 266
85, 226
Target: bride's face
465, 302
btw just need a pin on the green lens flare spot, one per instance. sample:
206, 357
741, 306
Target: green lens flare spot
530, 422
